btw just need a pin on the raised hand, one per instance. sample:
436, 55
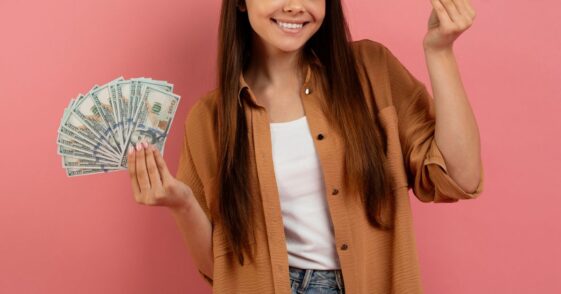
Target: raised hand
152, 183
448, 20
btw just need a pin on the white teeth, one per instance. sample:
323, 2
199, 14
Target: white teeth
289, 25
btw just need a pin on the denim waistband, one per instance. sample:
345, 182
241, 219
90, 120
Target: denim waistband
315, 277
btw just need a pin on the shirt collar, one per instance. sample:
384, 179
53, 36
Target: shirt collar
244, 86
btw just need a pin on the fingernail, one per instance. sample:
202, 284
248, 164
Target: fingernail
130, 150
145, 144
138, 146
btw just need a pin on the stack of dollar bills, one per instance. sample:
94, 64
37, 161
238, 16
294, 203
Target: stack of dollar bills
97, 128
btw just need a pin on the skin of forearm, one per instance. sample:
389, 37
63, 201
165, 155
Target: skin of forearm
196, 231
456, 130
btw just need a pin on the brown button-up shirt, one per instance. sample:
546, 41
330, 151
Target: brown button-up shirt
372, 261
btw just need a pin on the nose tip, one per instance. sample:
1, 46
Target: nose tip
292, 6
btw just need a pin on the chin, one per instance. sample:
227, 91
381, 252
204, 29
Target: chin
288, 46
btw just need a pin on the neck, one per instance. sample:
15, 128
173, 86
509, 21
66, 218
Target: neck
270, 67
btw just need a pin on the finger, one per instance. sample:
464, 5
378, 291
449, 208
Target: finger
469, 8
443, 17
141, 172
153, 173
131, 159
464, 20
465, 14
451, 9
162, 166
460, 7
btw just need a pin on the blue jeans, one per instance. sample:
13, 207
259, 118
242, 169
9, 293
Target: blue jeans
313, 281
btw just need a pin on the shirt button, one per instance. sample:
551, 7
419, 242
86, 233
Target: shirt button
307, 91
344, 247
335, 192
320, 136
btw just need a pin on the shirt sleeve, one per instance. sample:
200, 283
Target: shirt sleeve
187, 173
426, 169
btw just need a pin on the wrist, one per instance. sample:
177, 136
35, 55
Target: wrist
438, 52
179, 210
185, 204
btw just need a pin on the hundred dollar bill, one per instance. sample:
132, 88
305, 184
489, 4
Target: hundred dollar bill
73, 126
77, 162
96, 128
137, 92
72, 172
68, 138
121, 95
117, 114
72, 142
63, 150
126, 95
86, 109
102, 99
71, 139
153, 119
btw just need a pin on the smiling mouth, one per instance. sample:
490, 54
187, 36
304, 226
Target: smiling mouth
289, 26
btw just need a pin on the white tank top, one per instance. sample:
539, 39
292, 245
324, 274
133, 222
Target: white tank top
307, 224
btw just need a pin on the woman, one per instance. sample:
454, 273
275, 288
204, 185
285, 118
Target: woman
295, 171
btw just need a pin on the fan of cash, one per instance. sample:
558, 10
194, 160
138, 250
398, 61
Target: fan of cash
97, 128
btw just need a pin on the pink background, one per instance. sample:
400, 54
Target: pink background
87, 235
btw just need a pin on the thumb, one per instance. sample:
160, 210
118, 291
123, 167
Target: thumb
434, 22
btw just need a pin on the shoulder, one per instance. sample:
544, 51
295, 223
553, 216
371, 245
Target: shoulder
203, 107
371, 53
369, 49
202, 113
382, 66
374, 55
199, 131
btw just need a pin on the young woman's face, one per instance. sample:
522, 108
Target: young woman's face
285, 24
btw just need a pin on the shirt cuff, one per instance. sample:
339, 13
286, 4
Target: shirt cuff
445, 187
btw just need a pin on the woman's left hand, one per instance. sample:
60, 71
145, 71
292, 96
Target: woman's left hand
448, 20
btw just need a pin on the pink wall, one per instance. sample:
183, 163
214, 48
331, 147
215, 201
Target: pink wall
87, 235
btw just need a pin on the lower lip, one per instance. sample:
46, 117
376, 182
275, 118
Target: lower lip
289, 30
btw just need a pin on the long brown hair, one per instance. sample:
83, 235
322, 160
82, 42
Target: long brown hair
365, 148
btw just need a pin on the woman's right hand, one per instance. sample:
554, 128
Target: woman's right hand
152, 183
